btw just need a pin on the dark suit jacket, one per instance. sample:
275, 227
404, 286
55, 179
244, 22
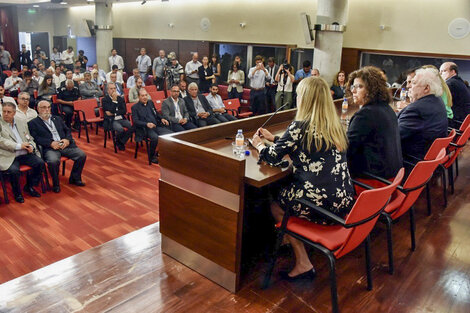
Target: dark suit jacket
374, 141
168, 110
141, 118
460, 97
118, 108
119, 88
420, 123
43, 136
192, 110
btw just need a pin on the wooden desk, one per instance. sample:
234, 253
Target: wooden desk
202, 194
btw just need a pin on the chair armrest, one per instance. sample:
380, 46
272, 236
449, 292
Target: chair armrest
235, 112
456, 145
457, 121
409, 163
413, 157
380, 179
457, 131
331, 216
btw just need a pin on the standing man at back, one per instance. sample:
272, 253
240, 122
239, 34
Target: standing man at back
258, 75
143, 63
459, 91
191, 69
158, 69
116, 59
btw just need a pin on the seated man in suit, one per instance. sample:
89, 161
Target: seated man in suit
114, 108
424, 120
17, 148
174, 110
55, 137
183, 85
148, 122
215, 100
118, 85
199, 109
89, 89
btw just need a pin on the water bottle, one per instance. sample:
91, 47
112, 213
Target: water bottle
239, 142
403, 94
345, 106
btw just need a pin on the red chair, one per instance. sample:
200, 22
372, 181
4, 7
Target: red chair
233, 105
85, 109
455, 149
7, 72
149, 81
125, 76
339, 239
223, 92
126, 91
151, 88
23, 169
63, 160
404, 198
158, 105
463, 125
245, 102
157, 95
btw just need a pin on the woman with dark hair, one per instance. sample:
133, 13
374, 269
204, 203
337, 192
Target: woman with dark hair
205, 75
235, 80
215, 68
47, 89
373, 134
338, 89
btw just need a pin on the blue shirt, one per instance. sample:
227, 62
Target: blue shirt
301, 74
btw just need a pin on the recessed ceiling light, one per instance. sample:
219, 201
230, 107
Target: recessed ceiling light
36, 6
63, 2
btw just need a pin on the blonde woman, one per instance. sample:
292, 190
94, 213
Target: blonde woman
446, 95
316, 143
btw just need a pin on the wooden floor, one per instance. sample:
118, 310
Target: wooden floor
120, 197
130, 274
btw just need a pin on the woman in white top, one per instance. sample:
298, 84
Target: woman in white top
284, 78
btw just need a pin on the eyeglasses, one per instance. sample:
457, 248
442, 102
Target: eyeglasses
357, 86
23, 98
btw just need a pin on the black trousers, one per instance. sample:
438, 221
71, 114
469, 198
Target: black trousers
153, 133
68, 111
122, 136
211, 120
159, 83
179, 128
258, 101
32, 179
53, 162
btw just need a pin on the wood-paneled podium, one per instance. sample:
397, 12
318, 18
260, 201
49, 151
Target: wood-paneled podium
202, 195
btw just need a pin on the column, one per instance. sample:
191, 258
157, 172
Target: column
104, 33
329, 44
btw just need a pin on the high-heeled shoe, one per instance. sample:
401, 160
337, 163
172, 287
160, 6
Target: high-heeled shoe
304, 276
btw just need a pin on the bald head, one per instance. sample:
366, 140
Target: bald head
448, 70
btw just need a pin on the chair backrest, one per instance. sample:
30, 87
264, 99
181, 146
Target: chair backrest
8, 73
157, 95
86, 108
461, 141
246, 97
465, 123
151, 88
158, 105
54, 98
438, 145
149, 80
365, 213
416, 181
126, 91
125, 76
129, 107
223, 91
232, 104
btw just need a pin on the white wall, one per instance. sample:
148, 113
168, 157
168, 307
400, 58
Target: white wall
412, 25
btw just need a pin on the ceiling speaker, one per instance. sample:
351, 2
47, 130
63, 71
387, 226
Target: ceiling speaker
459, 28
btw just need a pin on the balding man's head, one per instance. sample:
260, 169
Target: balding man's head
448, 70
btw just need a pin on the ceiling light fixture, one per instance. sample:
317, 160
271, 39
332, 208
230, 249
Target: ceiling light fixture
36, 6
63, 3
144, 2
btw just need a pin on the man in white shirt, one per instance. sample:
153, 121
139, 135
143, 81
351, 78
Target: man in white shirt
67, 58
258, 76
191, 69
118, 75
131, 80
215, 100
23, 111
116, 59
58, 77
38, 78
77, 75
55, 56
143, 63
5, 58
5, 99
12, 83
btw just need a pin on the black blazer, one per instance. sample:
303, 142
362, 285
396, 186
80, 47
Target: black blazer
141, 118
374, 141
460, 97
420, 123
192, 110
118, 108
43, 136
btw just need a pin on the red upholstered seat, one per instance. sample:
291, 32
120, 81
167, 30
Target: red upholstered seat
329, 236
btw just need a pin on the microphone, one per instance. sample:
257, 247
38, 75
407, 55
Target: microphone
274, 114
398, 89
